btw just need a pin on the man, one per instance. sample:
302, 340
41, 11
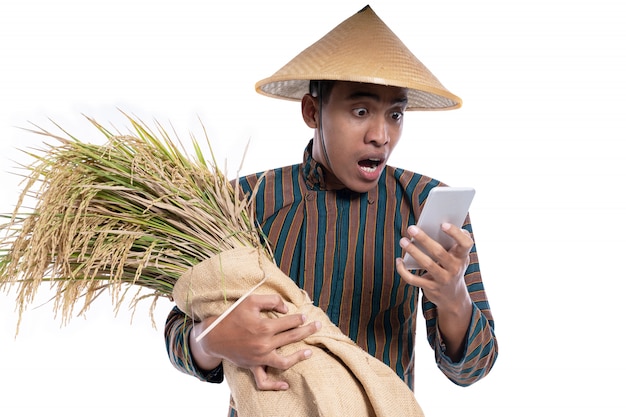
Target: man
339, 222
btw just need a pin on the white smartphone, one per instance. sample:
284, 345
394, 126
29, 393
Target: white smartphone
443, 205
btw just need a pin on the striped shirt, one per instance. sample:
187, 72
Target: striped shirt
340, 247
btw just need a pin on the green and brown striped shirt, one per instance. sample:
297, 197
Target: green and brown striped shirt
340, 247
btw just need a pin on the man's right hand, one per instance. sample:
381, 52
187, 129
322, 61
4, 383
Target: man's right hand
249, 340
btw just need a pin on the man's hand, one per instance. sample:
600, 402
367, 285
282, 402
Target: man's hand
249, 340
443, 283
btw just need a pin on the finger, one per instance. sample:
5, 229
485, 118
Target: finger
275, 324
271, 302
409, 248
297, 333
418, 279
284, 362
462, 237
264, 382
423, 260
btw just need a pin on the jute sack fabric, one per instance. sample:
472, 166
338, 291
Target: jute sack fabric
340, 379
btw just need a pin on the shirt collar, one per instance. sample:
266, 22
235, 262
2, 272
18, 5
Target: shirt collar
313, 171
314, 176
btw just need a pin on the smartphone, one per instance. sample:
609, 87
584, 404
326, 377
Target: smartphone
443, 205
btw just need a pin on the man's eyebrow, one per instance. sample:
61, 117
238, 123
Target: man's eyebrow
402, 99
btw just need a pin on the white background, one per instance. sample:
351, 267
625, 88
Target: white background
538, 136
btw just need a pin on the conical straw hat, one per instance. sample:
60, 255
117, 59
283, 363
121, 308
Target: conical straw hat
361, 49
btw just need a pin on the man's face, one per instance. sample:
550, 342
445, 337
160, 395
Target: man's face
361, 124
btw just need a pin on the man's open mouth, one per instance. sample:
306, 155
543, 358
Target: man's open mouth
370, 164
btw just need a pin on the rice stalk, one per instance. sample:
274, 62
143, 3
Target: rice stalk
136, 212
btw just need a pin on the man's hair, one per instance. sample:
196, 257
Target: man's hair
321, 87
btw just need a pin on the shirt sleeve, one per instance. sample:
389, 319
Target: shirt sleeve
481, 347
479, 356
177, 328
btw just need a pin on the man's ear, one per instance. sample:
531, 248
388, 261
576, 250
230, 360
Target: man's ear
309, 106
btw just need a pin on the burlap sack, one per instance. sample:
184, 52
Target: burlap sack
340, 379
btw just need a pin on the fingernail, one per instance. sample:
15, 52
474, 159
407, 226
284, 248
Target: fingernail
318, 325
445, 226
404, 242
413, 230
308, 354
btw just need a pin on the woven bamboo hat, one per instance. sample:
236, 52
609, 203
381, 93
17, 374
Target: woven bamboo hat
361, 49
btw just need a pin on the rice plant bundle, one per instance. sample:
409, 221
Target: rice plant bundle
135, 212
138, 212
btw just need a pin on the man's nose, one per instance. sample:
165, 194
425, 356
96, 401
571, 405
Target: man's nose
377, 132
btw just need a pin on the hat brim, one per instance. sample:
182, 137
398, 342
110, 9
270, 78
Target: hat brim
423, 98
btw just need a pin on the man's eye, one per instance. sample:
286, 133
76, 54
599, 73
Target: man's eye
396, 115
360, 112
